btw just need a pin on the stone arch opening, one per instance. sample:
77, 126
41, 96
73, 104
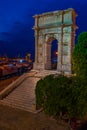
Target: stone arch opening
54, 54
51, 54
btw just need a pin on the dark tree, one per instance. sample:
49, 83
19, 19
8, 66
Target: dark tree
79, 56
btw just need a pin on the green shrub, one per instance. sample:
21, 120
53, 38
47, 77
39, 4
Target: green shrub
82, 98
61, 94
79, 56
52, 94
42, 88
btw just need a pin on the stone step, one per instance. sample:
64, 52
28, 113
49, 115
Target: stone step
19, 97
24, 92
30, 96
21, 93
19, 103
30, 108
20, 100
22, 97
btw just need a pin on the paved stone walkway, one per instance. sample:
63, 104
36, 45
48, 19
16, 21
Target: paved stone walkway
23, 97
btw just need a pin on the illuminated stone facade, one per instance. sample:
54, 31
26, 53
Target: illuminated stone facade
59, 25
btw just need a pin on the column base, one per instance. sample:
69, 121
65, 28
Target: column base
65, 69
38, 66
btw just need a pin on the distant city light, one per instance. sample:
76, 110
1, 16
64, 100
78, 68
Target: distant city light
56, 52
21, 61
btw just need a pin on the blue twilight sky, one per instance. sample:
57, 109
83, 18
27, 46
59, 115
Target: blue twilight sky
16, 22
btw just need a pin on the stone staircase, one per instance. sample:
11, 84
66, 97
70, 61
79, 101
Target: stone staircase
23, 97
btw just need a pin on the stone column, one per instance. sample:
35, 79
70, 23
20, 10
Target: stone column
59, 65
36, 43
69, 55
47, 56
71, 46
41, 52
44, 52
60, 45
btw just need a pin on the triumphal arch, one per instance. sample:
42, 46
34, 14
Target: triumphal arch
59, 25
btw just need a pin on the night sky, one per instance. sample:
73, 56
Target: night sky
16, 22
